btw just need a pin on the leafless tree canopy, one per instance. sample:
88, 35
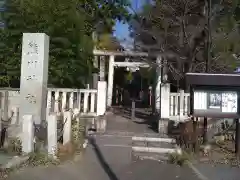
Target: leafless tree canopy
177, 29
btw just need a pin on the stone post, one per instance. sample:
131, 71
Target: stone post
15, 118
158, 85
101, 98
27, 134
0, 123
5, 105
67, 129
102, 68
165, 106
49, 103
181, 103
165, 100
95, 75
34, 76
52, 134
110, 80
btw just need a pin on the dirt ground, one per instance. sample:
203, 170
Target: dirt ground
223, 153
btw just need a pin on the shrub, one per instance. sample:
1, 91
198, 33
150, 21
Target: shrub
14, 146
177, 158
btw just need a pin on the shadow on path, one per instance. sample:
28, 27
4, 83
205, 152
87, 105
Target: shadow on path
102, 161
142, 116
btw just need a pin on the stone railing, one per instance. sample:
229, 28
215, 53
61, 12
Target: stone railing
60, 100
85, 101
73, 132
179, 104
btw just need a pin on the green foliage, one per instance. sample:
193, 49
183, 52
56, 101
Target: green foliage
108, 42
103, 13
69, 23
78, 132
70, 44
14, 146
40, 159
179, 159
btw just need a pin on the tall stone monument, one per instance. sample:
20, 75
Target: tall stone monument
34, 76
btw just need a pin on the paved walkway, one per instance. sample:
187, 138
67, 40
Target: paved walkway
218, 172
108, 157
120, 121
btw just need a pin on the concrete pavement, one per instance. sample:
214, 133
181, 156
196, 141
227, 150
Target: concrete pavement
107, 158
218, 171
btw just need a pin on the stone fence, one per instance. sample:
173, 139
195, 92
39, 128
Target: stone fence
72, 104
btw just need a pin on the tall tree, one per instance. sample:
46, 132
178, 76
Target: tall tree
108, 42
69, 23
177, 29
225, 35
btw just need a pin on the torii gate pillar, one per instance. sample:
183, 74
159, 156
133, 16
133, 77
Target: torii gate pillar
110, 80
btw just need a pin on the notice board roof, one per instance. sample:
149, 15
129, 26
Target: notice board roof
213, 79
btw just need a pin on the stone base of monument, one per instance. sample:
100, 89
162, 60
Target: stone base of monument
96, 125
163, 126
101, 124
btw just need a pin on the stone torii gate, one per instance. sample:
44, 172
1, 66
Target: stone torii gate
161, 90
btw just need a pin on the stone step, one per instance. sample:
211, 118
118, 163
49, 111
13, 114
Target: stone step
154, 139
150, 156
153, 153
153, 150
153, 144
153, 147
131, 134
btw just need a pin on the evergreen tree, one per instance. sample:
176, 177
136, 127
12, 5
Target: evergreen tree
69, 23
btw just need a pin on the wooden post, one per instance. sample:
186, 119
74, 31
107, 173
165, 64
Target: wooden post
195, 124
237, 139
133, 110
205, 139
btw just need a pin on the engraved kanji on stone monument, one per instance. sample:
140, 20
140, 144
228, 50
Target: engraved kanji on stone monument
34, 75
33, 47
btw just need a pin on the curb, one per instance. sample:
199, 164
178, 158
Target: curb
196, 171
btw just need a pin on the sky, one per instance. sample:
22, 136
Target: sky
121, 30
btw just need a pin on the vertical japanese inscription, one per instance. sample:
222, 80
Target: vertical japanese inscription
33, 48
32, 53
34, 75
229, 103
